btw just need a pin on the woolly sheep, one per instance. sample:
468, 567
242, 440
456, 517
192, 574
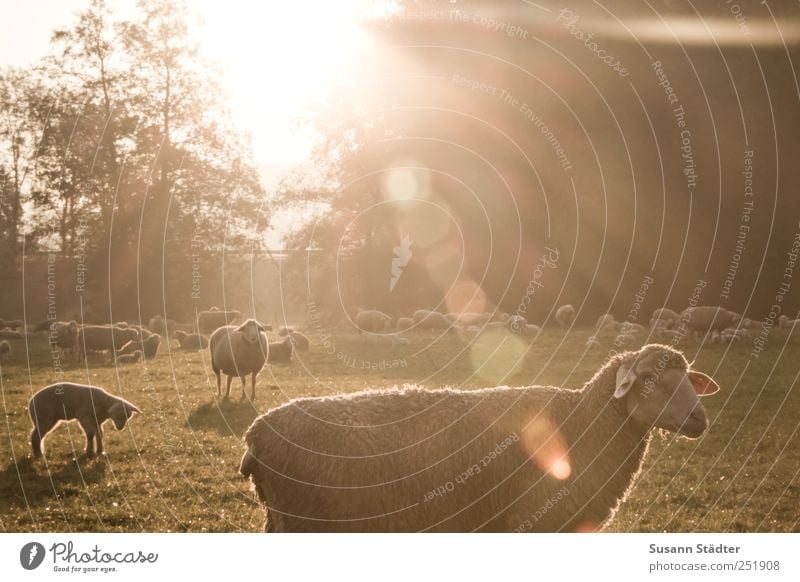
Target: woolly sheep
604, 320
404, 323
208, 321
89, 405
64, 335
281, 352
104, 337
705, 318
130, 358
372, 321
414, 459
239, 351
426, 319
666, 315
565, 316
191, 341
5, 351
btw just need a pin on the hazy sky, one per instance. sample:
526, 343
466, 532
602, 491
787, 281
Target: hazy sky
271, 71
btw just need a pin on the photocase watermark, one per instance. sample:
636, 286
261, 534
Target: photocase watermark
739, 16
67, 559
792, 256
472, 470
678, 112
570, 20
31, 555
744, 227
401, 256
81, 256
476, 18
549, 260
551, 502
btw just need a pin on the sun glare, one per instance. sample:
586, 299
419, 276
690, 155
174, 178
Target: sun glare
278, 57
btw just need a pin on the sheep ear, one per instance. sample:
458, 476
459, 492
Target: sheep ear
625, 379
704, 385
241, 327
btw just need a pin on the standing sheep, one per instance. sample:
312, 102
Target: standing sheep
89, 405
565, 316
104, 337
208, 321
666, 315
372, 321
704, 319
239, 351
481, 460
5, 351
64, 335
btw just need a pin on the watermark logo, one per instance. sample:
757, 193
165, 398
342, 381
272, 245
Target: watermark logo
31, 555
401, 257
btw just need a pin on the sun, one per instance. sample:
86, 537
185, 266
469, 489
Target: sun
278, 57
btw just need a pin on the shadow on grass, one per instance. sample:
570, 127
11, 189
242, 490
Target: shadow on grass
29, 481
226, 417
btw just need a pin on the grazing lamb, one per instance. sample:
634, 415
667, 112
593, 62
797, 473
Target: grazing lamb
239, 351
565, 316
414, 459
191, 341
130, 358
704, 319
89, 405
281, 352
104, 337
5, 351
208, 321
372, 321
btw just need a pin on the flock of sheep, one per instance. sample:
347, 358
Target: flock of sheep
416, 459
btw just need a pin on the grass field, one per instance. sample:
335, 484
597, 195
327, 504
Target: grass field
175, 467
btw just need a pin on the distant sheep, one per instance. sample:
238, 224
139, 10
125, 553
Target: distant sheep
89, 405
427, 319
191, 341
148, 346
9, 333
281, 352
565, 316
130, 358
705, 319
404, 323
372, 321
300, 341
239, 351
400, 460
64, 335
208, 321
104, 337
5, 351
666, 315
12, 323
604, 320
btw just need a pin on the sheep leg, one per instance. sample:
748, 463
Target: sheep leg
38, 433
98, 435
253, 389
228, 389
243, 379
219, 383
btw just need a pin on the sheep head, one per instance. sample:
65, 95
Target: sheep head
661, 391
251, 331
120, 412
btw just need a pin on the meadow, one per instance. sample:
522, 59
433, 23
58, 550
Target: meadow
174, 468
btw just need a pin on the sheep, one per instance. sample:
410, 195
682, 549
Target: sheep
732, 334
565, 316
281, 352
12, 323
91, 406
631, 328
104, 337
8, 333
208, 321
130, 358
666, 315
604, 320
64, 335
404, 323
239, 351
193, 341
426, 319
372, 321
414, 459
5, 351
704, 319
300, 341
149, 346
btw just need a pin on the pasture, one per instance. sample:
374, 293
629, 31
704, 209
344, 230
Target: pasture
174, 468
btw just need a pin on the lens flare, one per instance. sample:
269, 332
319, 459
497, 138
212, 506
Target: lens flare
547, 447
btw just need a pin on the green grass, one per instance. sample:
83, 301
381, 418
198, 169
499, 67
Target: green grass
175, 467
